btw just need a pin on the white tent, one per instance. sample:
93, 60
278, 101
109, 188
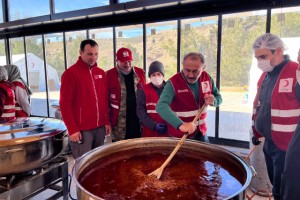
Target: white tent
36, 72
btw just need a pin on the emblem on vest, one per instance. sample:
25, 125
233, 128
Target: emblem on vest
205, 86
285, 85
180, 91
97, 76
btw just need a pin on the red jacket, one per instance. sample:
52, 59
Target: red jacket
19, 111
284, 106
151, 101
184, 103
9, 104
84, 97
114, 91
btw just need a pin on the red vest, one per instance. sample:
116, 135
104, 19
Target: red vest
9, 105
184, 103
114, 90
19, 111
151, 101
285, 108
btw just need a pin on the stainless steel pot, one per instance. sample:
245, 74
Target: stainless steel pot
140, 145
30, 143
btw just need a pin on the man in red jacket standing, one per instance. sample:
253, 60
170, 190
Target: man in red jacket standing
84, 101
123, 82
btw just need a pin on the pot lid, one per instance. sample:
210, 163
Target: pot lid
29, 129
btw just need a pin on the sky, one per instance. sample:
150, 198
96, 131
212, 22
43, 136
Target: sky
32, 8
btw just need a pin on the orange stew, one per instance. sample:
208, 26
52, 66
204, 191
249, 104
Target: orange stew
186, 177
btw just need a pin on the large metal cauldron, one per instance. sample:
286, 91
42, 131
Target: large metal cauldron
144, 144
30, 143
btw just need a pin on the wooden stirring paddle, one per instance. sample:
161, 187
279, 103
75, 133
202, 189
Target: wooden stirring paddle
157, 173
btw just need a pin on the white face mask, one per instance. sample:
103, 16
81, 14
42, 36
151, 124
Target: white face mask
156, 80
265, 65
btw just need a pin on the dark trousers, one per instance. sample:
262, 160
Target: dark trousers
90, 140
200, 137
275, 159
290, 185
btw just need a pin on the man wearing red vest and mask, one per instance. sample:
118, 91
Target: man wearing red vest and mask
7, 98
123, 81
147, 98
276, 105
184, 94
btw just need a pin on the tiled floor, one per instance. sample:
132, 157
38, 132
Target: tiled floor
241, 152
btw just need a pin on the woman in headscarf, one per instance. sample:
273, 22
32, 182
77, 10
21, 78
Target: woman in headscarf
22, 91
7, 98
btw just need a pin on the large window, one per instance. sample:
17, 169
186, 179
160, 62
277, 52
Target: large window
66, 5
162, 45
55, 66
131, 37
286, 24
104, 38
18, 55
21, 9
1, 13
238, 34
73, 45
36, 75
2, 53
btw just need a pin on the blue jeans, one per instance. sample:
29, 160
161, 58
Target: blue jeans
275, 159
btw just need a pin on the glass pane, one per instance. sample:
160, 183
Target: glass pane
1, 12
18, 56
73, 45
55, 67
66, 5
2, 53
286, 24
200, 35
239, 31
36, 75
104, 38
162, 46
131, 37
20, 9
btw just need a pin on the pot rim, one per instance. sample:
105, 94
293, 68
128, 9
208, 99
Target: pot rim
90, 157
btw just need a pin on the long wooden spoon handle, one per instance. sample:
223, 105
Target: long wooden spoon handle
179, 144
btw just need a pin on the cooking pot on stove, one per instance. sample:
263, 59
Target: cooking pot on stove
30, 143
109, 153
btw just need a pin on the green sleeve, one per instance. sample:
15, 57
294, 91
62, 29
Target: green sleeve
163, 106
216, 93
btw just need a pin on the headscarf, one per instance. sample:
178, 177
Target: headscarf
3, 74
14, 74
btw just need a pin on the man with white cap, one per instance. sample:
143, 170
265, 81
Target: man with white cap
276, 105
123, 81
147, 97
